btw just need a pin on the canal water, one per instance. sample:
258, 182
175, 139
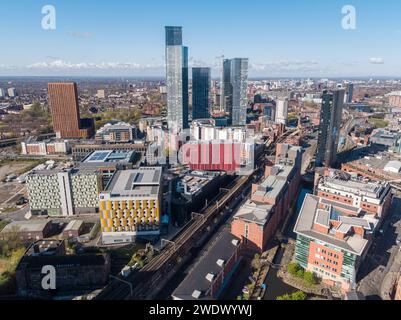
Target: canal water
275, 286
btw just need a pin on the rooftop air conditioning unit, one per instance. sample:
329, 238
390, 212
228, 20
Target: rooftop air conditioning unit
220, 263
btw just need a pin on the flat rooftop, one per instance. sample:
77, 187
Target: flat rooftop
196, 285
272, 186
354, 185
311, 214
253, 212
26, 226
136, 183
109, 156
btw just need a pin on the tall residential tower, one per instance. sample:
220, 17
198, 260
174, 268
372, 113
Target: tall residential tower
200, 93
234, 90
176, 80
63, 100
329, 130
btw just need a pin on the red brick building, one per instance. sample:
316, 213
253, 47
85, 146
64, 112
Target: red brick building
63, 100
259, 219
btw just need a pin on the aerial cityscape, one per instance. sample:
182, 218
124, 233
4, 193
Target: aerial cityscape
198, 178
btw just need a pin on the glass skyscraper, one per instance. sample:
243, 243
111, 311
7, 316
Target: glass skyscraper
234, 88
176, 80
200, 93
329, 129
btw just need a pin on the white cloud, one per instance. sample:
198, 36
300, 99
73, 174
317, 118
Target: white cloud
81, 35
285, 66
376, 60
61, 65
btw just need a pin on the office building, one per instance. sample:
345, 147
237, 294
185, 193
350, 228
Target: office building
258, 220
116, 132
131, 205
83, 150
37, 147
342, 189
200, 93
234, 100
63, 100
282, 111
331, 242
63, 192
176, 80
2, 93
329, 128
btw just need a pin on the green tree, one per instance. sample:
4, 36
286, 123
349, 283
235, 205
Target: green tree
293, 268
299, 295
309, 278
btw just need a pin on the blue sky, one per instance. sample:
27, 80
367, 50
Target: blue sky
294, 38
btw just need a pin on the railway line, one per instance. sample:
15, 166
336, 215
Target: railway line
148, 281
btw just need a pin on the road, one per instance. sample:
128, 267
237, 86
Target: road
383, 259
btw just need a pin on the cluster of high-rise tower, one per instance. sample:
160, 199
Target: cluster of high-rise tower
233, 88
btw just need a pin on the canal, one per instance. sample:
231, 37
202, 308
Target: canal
275, 286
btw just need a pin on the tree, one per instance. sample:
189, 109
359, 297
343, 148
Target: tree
256, 262
299, 295
293, 268
309, 278
300, 273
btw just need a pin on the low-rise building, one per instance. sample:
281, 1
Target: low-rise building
332, 241
131, 205
372, 196
75, 274
213, 271
374, 168
389, 138
28, 230
73, 229
82, 151
116, 132
37, 147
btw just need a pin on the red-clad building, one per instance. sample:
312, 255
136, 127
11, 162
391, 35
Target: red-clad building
212, 155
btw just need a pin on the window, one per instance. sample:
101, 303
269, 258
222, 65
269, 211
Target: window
246, 231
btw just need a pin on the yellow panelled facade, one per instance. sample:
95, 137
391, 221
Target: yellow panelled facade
129, 215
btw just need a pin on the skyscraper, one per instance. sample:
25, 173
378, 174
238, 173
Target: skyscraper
282, 111
176, 80
349, 92
329, 130
200, 93
63, 100
234, 89
12, 93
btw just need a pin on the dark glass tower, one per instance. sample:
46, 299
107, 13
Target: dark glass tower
200, 93
329, 129
234, 99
